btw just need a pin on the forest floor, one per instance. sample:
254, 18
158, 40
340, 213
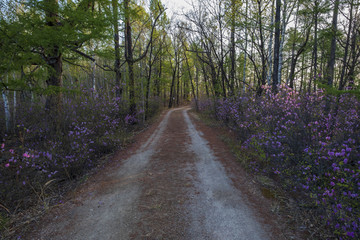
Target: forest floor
178, 180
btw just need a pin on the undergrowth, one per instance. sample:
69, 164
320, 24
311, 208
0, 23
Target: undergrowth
308, 143
36, 161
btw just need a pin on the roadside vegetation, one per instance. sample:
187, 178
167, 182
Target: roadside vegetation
308, 144
39, 161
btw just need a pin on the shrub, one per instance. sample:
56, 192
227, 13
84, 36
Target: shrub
92, 124
311, 142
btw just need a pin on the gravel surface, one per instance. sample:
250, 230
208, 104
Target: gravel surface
171, 184
218, 210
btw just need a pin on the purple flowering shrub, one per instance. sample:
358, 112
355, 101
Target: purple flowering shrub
92, 124
311, 143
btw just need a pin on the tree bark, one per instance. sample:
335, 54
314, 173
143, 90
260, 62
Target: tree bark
346, 50
178, 85
205, 80
245, 52
293, 47
262, 80
148, 83
232, 47
224, 80
295, 58
119, 88
173, 81
302, 74
191, 80
270, 47
314, 59
54, 60
283, 33
330, 69
276, 47
129, 57
7, 111
159, 77
354, 55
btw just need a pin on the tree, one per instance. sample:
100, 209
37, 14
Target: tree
175, 60
314, 58
262, 79
246, 46
129, 55
117, 63
347, 45
206, 44
155, 8
330, 69
295, 54
355, 53
48, 33
276, 46
233, 9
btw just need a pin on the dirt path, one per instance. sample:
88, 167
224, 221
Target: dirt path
177, 182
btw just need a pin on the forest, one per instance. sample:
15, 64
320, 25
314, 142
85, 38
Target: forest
78, 77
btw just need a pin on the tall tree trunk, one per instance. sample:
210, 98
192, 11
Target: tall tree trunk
224, 79
178, 85
14, 107
232, 47
314, 73
119, 88
295, 58
276, 47
293, 50
173, 81
350, 78
54, 101
252, 54
245, 52
7, 111
302, 74
330, 69
192, 84
164, 93
148, 82
129, 57
345, 59
183, 93
14, 110
93, 75
54, 61
142, 77
262, 80
205, 80
159, 77
283, 33
197, 82
270, 47
214, 78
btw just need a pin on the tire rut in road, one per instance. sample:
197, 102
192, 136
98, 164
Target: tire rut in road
108, 208
217, 210
172, 187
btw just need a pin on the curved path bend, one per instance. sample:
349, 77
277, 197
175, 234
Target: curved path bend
172, 184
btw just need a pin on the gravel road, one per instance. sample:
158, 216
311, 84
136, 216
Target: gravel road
171, 184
